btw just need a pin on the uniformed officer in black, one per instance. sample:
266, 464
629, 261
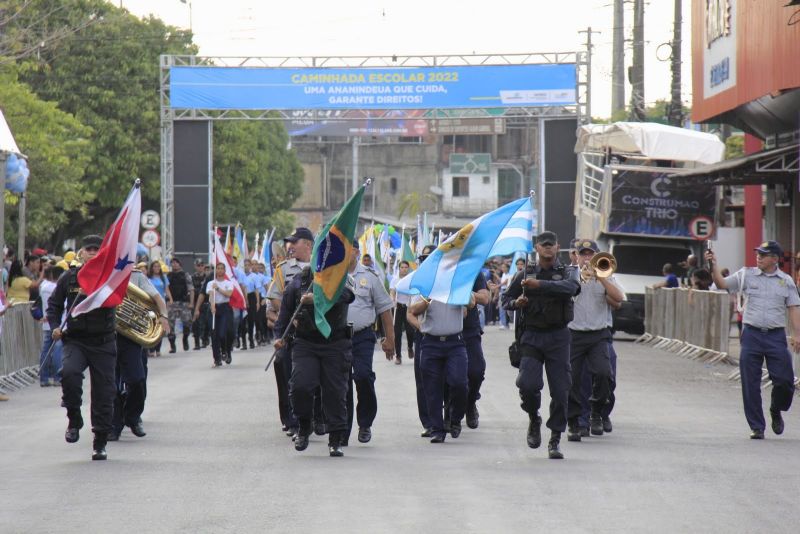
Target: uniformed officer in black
89, 341
544, 292
317, 362
199, 318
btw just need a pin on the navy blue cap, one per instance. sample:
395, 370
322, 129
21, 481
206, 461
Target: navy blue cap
547, 237
300, 233
91, 241
586, 244
770, 247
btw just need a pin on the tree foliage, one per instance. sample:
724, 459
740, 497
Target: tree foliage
100, 64
255, 174
58, 149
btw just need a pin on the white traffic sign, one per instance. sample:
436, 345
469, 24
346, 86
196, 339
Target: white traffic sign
701, 227
150, 238
150, 220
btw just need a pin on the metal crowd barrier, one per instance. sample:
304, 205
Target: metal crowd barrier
20, 346
693, 324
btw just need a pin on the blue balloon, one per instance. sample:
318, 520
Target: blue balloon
395, 239
17, 174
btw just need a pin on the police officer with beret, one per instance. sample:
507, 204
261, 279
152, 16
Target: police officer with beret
89, 341
317, 362
768, 292
443, 361
589, 347
298, 246
371, 301
544, 292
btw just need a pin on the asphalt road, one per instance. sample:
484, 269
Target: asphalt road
215, 460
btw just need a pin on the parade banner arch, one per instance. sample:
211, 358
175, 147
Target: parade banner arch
196, 91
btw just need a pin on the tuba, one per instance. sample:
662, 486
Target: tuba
602, 265
138, 318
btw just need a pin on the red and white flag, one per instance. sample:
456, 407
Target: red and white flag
237, 301
104, 278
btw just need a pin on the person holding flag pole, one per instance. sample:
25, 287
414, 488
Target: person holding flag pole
224, 295
322, 347
91, 293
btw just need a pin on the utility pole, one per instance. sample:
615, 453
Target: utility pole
636, 72
618, 59
675, 114
588, 31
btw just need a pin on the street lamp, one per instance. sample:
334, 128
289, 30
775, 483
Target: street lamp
189, 3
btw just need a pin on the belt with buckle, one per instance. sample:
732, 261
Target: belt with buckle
452, 337
763, 330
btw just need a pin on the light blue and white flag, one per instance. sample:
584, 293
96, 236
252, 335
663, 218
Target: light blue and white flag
448, 274
517, 236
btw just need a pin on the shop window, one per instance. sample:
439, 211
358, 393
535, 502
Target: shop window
460, 186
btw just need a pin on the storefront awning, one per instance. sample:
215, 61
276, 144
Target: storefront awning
777, 165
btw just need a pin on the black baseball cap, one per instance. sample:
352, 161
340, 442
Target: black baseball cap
547, 238
299, 233
586, 244
91, 241
770, 247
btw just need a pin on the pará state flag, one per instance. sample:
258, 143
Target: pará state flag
237, 301
105, 277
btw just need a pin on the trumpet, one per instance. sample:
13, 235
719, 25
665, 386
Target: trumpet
602, 265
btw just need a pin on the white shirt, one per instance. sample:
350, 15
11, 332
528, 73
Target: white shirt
219, 298
46, 289
400, 298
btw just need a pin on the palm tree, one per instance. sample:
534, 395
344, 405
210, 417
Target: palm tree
412, 204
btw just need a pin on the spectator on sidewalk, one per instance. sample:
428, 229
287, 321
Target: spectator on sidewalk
670, 280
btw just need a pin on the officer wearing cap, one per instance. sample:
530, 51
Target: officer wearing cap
413, 320
443, 361
199, 330
544, 292
89, 341
298, 246
317, 362
589, 347
768, 292
371, 301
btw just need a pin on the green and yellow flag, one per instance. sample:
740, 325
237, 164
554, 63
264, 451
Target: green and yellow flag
330, 260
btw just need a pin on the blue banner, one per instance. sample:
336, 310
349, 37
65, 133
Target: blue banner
222, 88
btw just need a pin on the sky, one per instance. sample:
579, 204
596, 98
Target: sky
419, 27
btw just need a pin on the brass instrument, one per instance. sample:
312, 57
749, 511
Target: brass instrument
602, 265
138, 318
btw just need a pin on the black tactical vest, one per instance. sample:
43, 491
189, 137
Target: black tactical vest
96, 323
306, 324
178, 287
547, 312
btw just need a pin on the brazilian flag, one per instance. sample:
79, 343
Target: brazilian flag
330, 260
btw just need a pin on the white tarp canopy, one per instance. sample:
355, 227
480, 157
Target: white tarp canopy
651, 140
7, 143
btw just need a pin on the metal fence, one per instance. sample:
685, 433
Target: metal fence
20, 346
695, 324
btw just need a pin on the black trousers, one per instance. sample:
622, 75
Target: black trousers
250, 325
589, 350
101, 359
130, 381
401, 326
323, 365
261, 325
548, 352
221, 338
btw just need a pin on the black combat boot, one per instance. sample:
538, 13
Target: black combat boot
335, 444
172, 348
596, 424
196, 342
535, 432
573, 431
99, 447
553, 451
301, 439
73, 427
185, 341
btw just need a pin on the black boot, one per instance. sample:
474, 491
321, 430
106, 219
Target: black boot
534, 437
335, 444
185, 342
99, 447
553, 451
172, 348
73, 427
196, 342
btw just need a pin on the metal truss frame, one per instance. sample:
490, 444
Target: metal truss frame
517, 114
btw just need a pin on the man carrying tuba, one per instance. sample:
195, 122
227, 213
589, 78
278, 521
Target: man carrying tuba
590, 333
131, 372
